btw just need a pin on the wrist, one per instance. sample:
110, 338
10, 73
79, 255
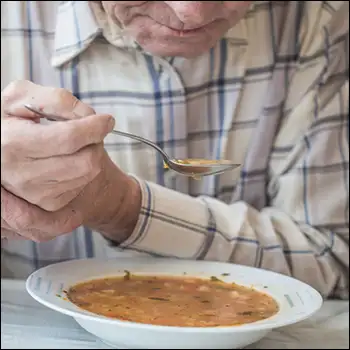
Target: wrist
117, 206
128, 213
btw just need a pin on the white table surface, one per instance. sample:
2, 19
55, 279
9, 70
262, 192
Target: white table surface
25, 324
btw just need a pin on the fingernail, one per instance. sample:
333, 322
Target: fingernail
111, 123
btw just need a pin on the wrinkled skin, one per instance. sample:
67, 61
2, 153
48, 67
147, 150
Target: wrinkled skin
55, 177
176, 28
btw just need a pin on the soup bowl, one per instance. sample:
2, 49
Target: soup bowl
296, 300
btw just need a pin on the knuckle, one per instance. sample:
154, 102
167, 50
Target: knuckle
70, 104
13, 89
81, 109
61, 100
62, 95
10, 96
66, 103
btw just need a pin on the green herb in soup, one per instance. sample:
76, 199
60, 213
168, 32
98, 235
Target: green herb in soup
173, 301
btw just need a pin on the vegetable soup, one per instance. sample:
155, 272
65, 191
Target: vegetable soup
173, 301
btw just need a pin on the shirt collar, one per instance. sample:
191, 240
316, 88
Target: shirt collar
79, 23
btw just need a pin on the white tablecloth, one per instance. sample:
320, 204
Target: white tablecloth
25, 324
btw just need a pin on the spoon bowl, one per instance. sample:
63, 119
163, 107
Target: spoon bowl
200, 167
195, 168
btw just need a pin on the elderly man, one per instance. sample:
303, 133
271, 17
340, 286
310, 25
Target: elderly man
263, 84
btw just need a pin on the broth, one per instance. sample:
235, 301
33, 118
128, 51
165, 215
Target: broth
173, 301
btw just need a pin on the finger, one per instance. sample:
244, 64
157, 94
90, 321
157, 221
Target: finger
56, 223
35, 223
57, 203
51, 203
80, 167
47, 197
51, 183
45, 178
62, 138
52, 100
28, 234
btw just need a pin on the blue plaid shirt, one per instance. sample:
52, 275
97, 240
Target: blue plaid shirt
272, 95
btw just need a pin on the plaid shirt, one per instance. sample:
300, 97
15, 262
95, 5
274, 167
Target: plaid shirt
272, 95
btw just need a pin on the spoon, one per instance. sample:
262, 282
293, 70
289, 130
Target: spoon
195, 168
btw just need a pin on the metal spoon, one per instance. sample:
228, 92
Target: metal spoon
189, 167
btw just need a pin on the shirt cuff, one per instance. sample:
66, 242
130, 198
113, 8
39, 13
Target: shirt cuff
170, 223
143, 222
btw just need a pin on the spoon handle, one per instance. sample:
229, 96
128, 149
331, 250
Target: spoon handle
57, 118
141, 139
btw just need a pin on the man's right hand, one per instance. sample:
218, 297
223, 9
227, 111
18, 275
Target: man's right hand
45, 167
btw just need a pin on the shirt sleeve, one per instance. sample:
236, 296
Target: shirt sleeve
304, 232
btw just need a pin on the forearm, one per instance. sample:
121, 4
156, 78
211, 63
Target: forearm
174, 224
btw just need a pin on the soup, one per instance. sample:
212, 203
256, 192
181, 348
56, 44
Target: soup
194, 162
173, 301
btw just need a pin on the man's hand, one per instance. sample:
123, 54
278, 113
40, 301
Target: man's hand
49, 165
57, 176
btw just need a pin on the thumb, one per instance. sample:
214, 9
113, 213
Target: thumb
94, 127
79, 133
70, 136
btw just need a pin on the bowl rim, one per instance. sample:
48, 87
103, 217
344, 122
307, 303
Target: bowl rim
248, 327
